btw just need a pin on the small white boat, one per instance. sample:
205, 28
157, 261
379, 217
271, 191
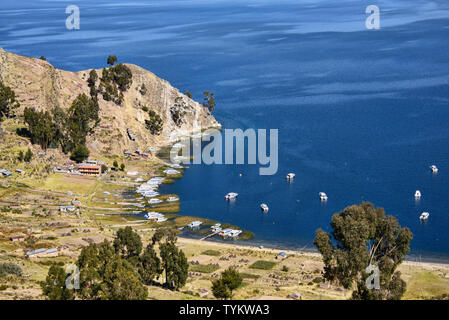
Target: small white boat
172, 199
154, 201
194, 224
290, 176
434, 168
231, 196
417, 194
424, 216
264, 207
323, 196
153, 216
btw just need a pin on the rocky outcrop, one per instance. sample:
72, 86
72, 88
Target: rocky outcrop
38, 84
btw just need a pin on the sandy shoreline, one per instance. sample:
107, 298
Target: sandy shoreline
423, 264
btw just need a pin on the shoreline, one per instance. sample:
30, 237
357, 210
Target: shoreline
312, 254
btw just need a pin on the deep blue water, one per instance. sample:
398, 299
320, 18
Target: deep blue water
361, 113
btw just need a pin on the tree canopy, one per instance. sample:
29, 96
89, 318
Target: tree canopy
54, 285
363, 235
8, 101
112, 60
229, 281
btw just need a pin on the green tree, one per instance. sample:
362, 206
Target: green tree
232, 279
28, 156
104, 168
122, 167
127, 243
115, 164
175, 265
362, 236
157, 236
112, 60
54, 285
155, 123
21, 156
229, 281
80, 153
105, 275
209, 100
93, 77
43, 58
8, 101
220, 290
40, 126
82, 118
149, 265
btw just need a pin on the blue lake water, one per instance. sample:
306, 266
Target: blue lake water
361, 113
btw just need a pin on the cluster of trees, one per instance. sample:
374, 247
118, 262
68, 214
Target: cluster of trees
114, 81
223, 287
25, 157
117, 167
121, 269
8, 102
68, 129
155, 123
364, 236
209, 100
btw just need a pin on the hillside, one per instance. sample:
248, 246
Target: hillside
38, 84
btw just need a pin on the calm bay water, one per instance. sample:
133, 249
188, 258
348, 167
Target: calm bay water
361, 114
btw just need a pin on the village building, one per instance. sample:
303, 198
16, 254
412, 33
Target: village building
89, 169
42, 253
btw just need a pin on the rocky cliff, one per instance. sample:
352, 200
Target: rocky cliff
38, 84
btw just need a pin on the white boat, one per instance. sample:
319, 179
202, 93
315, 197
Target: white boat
230, 233
172, 199
150, 194
424, 216
264, 207
434, 168
171, 172
153, 216
290, 176
194, 224
231, 196
417, 194
323, 196
154, 201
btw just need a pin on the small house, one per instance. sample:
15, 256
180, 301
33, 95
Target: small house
20, 171
76, 203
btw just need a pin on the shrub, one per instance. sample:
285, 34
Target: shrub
10, 268
155, 123
284, 268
